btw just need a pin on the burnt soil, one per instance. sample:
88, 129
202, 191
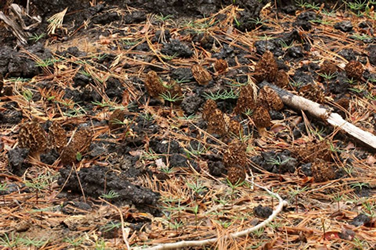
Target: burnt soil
128, 164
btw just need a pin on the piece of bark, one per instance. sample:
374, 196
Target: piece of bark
324, 113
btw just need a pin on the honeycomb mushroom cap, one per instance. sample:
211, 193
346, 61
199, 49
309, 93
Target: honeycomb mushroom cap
261, 117
235, 154
236, 174
354, 69
153, 84
266, 68
217, 123
201, 75
209, 106
270, 98
32, 136
328, 67
220, 65
246, 100
57, 136
116, 116
282, 79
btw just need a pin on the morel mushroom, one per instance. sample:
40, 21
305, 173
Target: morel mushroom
266, 68
261, 119
235, 154
328, 68
33, 137
354, 70
153, 84
235, 160
322, 171
246, 100
209, 106
313, 92
201, 75
236, 174
79, 143
116, 118
57, 136
216, 123
282, 79
269, 97
220, 66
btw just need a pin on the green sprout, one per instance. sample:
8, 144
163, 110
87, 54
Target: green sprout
359, 185
362, 37
169, 58
85, 73
305, 5
328, 76
74, 242
197, 187
221, 95
285, 45
110, 195
78, 156
295, 84
37, 184
110, 226
35, 37
102, 104
200, 149
28, 95
163, 18
46, 63
168, 97
33, 242
337, 198
10, 241
277, 161
257, 21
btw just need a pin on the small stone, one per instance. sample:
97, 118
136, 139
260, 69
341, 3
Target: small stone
360, 220
296, 52
344, 26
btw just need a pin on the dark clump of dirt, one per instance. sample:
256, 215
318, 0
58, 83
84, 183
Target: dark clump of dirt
17, 160
277, 163
360, 220
11, 115
178, 49
97, 180
20, 64
262, 212
193, 7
